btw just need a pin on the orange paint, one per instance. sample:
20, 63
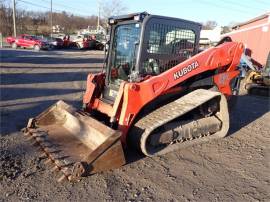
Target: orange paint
132, 97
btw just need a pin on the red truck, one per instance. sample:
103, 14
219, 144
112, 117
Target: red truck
27, 41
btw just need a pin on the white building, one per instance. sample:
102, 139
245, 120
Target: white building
57, 29
92, 30
209, 37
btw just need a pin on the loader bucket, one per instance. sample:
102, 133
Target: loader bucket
76, 144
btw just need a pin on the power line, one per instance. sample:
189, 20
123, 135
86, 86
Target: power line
241, 5
263, 3
33, 4
236, 10
40, 6
36, 5
65, 6
59, 4
222, 6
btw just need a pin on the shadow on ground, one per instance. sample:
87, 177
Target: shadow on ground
248, 109
20, 93
43, 57
32, 78
14, 120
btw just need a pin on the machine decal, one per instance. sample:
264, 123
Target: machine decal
185, 70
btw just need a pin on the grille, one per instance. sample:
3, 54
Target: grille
167, 46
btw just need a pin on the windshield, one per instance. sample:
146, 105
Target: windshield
124, 48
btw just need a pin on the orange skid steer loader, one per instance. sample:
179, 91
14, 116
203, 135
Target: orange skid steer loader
157, 94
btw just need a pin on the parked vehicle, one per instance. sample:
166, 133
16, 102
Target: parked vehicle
87, 42
68, 43
99, 45
10, 39
27, 41
55, 42
80, 41
101, 41
95, 44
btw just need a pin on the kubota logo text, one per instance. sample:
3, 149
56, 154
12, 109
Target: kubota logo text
185, 70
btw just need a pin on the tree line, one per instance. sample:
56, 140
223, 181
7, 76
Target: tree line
34, 22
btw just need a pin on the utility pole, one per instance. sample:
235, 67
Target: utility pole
51, 19
98, 22
14, 19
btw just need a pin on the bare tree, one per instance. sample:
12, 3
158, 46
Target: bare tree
210, 24
6, 19
33, 22
226, 29
112, 7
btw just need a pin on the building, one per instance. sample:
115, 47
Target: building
92, 30
255, 35
57, 29
210, 37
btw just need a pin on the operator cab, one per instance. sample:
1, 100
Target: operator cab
142, 44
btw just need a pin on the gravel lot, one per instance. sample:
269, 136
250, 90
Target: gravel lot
235, 168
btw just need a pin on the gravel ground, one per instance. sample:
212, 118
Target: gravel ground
235, 168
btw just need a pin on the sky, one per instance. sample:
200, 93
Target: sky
223, 12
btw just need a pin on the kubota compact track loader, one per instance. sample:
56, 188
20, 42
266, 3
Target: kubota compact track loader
157, 94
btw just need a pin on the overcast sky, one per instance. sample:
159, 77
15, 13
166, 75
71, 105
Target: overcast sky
222, 11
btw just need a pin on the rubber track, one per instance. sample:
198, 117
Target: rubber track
175, 109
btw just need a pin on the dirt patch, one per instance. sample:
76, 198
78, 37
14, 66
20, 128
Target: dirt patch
10, 165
